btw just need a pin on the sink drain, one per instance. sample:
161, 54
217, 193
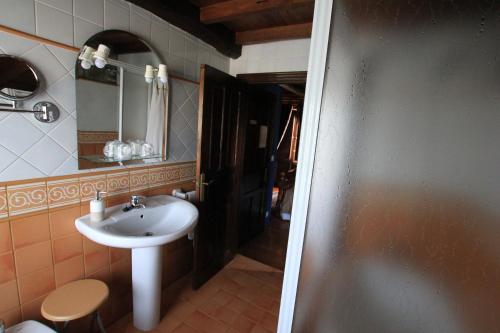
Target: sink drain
147, 234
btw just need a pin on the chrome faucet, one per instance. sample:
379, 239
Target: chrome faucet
135, 203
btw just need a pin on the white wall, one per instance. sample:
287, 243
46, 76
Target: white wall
72, 22
30, 149
283, 56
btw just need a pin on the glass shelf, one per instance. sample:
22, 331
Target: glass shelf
104, 159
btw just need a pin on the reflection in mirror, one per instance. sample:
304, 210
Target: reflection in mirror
112, 102
18, 80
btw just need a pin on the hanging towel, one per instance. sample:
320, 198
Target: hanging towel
156, 133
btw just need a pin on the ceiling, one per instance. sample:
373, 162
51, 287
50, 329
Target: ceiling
229, 24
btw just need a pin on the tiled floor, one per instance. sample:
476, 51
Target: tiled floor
243, 297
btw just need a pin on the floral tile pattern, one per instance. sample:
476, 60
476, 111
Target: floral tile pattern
157, 176
27, 198
4, 210
18, 199
118, 183
63, 192
139, 180
89, 186
172, 174
187, 172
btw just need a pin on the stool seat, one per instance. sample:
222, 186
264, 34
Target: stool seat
74, 300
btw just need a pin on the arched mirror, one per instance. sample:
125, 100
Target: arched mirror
19, 80
112, 102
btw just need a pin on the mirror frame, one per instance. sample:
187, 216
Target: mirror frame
35, 74
131, 67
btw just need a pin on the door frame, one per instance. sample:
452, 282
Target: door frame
307, 147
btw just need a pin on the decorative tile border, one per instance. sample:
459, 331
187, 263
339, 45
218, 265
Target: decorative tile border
27, 198
23, 197
89, 186
4, 209
157, 177
96, 137
118, 183
63, 192
139, 180
187, 172
173, 174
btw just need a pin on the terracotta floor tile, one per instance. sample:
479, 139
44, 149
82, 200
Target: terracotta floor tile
210, 307
222, 297
204, 323
185, 329
263, 301
168, 324
225, 315
238, 305
269, 322
182, 310
259, 329
216, 308
243, 325
253, 313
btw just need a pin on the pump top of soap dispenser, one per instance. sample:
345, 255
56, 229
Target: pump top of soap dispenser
99, 195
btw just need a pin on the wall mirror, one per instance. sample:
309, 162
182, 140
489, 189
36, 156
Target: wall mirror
113, 102
19, 80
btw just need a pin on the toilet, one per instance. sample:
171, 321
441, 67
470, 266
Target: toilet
29, 326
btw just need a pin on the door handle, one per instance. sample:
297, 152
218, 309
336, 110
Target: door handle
204, 184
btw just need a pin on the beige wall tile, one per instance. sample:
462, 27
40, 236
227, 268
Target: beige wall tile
27, 198
7, 267
117, 254
32, 258
95, 261
67, 247
10, 297
103, 274
121, 277
31, 310
62, 221
5, 237
69, 270
63, 192
36, 284
30, 230
11, 317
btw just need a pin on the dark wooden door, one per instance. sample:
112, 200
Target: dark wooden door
221, 106
261, 110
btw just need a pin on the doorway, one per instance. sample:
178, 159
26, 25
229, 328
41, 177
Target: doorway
244, 181
264, 237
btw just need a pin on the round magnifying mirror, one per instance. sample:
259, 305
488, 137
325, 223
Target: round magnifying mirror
19, 80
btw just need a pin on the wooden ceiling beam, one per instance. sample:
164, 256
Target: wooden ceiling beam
293, 31
186, 16
232, 9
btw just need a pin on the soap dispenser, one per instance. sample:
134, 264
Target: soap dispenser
97, 207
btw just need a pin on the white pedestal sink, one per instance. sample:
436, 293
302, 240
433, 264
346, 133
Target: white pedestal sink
144, 230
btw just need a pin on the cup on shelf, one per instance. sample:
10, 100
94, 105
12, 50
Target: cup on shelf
109, 149
146, 149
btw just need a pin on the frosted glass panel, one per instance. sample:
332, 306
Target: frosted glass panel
404, 223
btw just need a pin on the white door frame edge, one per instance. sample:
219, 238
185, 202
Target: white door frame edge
307, 148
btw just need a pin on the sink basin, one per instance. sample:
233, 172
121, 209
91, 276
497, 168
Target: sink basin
144, 230
164, 220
